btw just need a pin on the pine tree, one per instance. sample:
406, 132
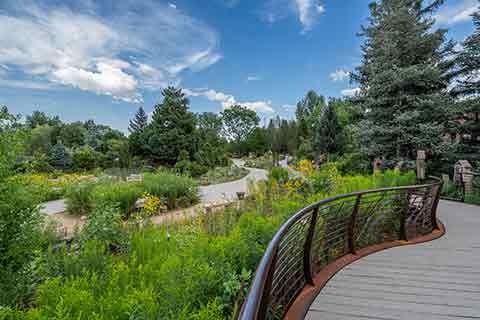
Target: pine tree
328, 132
172, 129
403, 80
139, 122
59, 157
467, 92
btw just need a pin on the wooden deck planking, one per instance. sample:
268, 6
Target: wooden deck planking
438, 280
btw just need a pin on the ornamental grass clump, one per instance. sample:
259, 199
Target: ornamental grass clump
168, 189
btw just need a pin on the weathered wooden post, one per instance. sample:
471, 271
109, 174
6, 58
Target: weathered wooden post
421, 156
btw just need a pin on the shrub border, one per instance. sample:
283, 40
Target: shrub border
300, 306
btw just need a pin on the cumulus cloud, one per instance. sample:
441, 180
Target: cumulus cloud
227, 100
117, 52
339, 75
351, 92
172, 5
455, 13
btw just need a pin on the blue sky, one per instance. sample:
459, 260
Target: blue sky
102, 59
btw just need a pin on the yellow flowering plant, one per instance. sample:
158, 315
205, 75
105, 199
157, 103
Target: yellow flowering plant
152, 204
305, 167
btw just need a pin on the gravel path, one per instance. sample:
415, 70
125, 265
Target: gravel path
228, 190
208, 194
53, 207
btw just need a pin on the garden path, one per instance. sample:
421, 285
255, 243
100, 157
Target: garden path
435, 280
217, 193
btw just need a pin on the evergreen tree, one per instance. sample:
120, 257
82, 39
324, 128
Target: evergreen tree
403, 80
328, 134
139, 122
172, 128
307, 110
59, 157
467, 91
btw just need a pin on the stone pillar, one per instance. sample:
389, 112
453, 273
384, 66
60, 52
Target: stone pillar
421, 156
464, 175
377, 165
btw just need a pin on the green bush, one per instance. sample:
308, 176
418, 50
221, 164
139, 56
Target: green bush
21, 241
79, 200
175, 190
120, 194
105, 224
279, 174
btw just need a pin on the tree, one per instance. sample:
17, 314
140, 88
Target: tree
308, 109
139, 122
84, 158
40, 140
328, 134
73, 135
210, 150
307, 113
238, 123
12, 142
39, 118
467, 92
59, 157
403, 80
172, 128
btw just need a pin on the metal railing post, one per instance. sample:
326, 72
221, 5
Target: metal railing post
263, 308
351, 227
307, 249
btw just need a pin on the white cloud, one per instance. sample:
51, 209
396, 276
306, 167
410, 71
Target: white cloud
172, 5
227, 100
107, 79
253, 78
351, 92
134, 46
308, 12
339, 75
460, 12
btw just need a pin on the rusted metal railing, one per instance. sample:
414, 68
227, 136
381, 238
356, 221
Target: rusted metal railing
330, 229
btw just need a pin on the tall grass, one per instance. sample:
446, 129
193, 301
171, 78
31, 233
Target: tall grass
195, 270
175, 190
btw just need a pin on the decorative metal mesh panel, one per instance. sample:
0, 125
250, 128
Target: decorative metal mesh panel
330, 229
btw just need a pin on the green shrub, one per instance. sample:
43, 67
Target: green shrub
177, 191
193, 169
105, 224
21, 241
120, 194
79, 200
279, 174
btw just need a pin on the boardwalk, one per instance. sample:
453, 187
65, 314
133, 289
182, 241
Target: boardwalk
439, 280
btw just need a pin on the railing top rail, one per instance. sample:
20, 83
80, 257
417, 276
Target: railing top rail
251, 306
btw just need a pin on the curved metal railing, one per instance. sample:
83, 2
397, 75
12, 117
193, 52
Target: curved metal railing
329, 229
